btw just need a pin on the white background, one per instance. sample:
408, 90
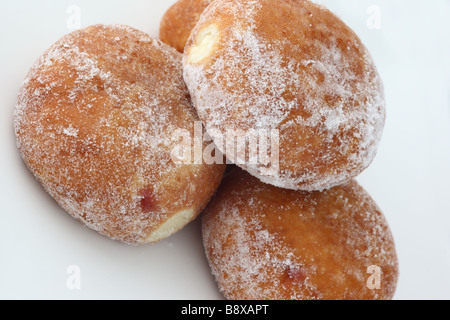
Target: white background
410, 178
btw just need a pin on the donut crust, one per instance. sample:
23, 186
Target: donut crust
267, 243
292, 66
93, 121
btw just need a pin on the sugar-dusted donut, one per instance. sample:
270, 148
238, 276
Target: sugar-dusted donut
94, 122
267, 243
291, 66
179, 20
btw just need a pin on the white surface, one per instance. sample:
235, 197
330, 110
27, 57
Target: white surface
410, 178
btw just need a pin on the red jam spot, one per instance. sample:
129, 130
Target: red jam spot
148, 201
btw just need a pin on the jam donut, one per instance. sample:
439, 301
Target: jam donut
179, 20
293, 67
93, 122
267, 243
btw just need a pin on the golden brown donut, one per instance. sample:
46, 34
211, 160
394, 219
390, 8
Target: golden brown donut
294, 67
179, 20
267, 243
93, 121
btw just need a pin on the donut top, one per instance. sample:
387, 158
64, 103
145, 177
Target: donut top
292, 66
94, 119
269, 243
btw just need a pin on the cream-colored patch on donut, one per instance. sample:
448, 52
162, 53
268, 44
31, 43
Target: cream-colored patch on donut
205, 44
174, 224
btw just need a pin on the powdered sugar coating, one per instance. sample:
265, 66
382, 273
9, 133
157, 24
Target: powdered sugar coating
94, 119
251, 263
292, 66
263, 242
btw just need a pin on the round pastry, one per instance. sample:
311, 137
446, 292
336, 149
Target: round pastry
267, 243
179, 20
294, 68
94, 123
